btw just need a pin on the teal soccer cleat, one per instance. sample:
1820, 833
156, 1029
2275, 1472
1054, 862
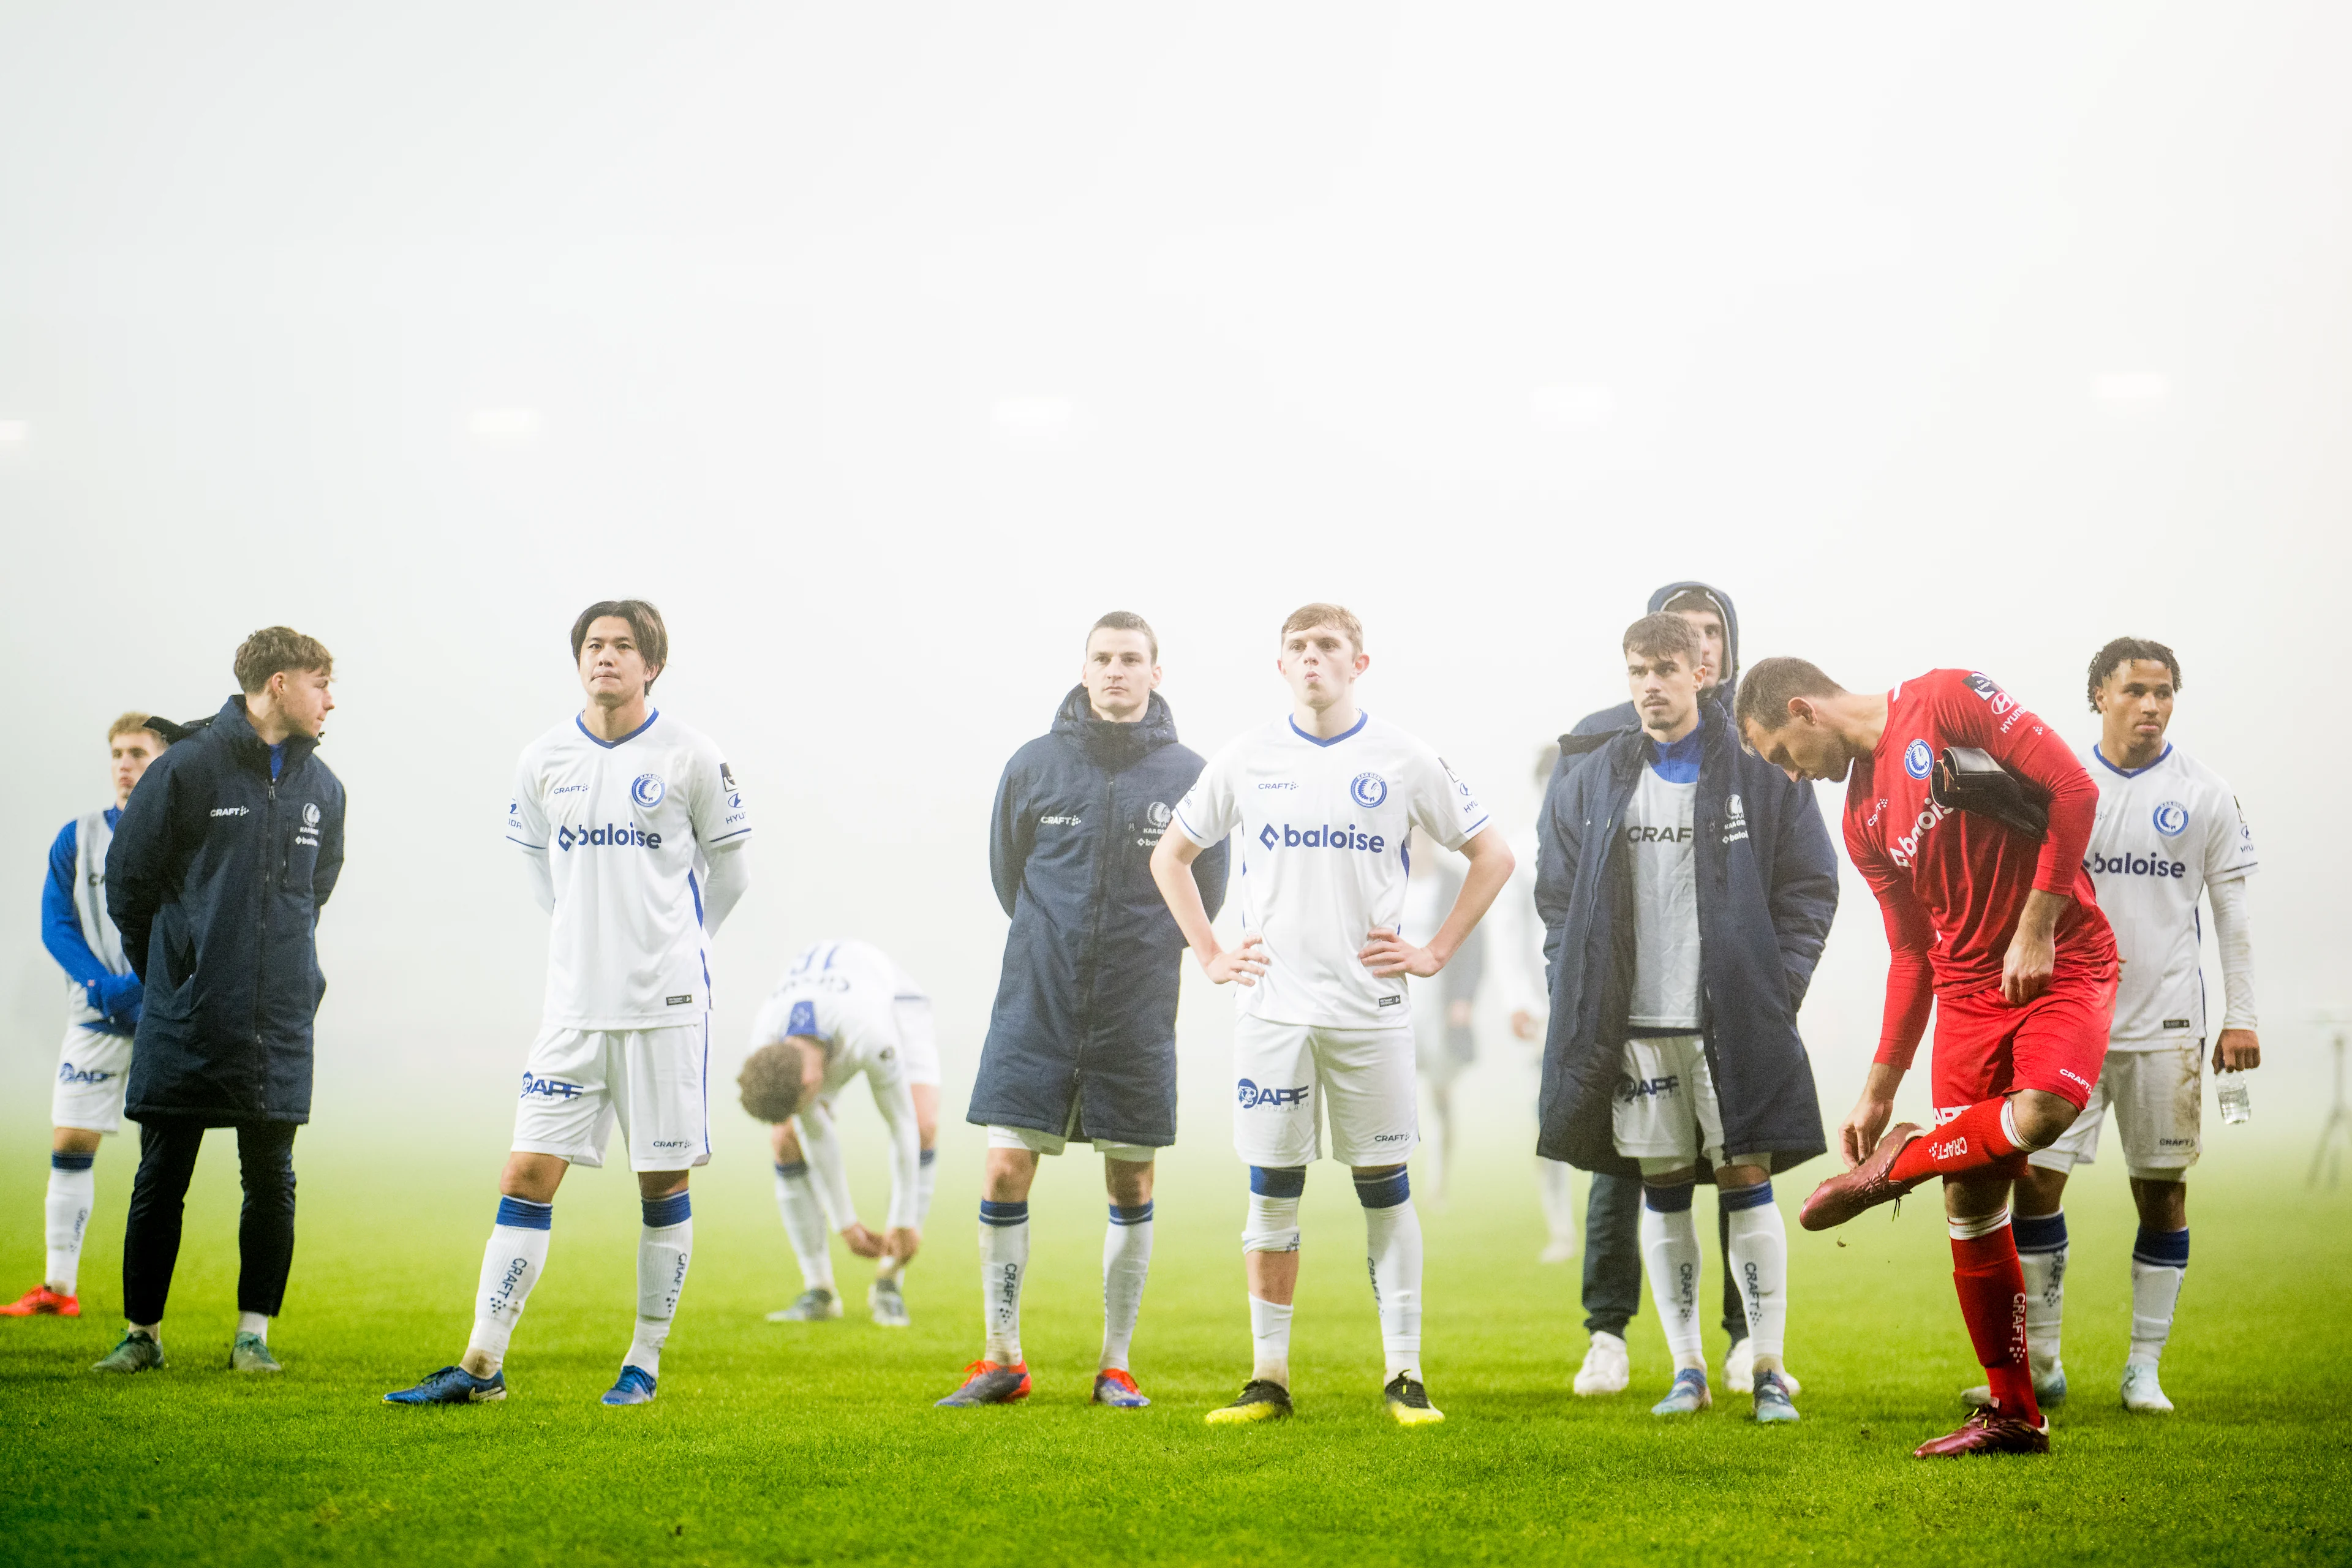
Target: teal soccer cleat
636, 1387
1688, 1396
137, 1352
1773, 1398
452, 1385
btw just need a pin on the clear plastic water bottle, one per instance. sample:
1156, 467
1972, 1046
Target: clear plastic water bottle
2230, 1089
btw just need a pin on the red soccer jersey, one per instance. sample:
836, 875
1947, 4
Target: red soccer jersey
1952, 884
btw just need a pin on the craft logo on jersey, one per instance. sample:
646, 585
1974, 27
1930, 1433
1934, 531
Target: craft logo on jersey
1251, 1097
1369, 790
1918, 760
2171, 818
647, 790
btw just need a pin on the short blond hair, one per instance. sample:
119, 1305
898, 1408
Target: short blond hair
273, 650
1318, 615
128, 722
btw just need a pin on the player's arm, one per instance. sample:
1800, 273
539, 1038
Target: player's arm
821, 1145
2238, 1047
2030, 750
1389, 953
115, 995
1910, 996
139, 859
1203, 819
1804, 894
722, 829
1012, 834
901, 1238
527, 831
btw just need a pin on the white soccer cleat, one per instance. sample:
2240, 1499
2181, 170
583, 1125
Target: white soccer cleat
1560, 1249
1607, 1368
2049, 1389
2142, 1393
1739, 1369
817, 1306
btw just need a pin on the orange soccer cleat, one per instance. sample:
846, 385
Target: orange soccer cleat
40, 1301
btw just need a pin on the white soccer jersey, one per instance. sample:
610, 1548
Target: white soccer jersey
1665, 903
844, 994
1322, 836
623, 828
2164, 831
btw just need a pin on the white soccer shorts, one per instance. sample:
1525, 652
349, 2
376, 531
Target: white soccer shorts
2158, 1097
918, 1041
1289, 1080
655, 1083
1666, 1108
1036, 1142
93, 1070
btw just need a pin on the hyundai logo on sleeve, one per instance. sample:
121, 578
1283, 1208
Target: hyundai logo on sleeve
1369, 790
2171, 818
1918, 760
647, 790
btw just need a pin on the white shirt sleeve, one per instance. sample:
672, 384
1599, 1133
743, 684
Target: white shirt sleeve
2233, 932
823, 1147
527, 830
723, 826
2229, 842
1441, 804
1210, 809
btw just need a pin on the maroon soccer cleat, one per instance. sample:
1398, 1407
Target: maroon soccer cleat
1987, 1432
1866, 1186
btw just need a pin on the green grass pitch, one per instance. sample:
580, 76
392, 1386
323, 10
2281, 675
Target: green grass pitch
772, 1444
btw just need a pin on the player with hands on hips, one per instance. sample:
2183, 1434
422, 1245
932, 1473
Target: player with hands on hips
1321, 805
2168, 828
102, 999
844, 1010
633, 831
2001, 934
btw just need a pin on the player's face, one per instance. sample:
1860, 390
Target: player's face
1709, 627
612, 668
2135, 708
1119, 674
131, 754
304, 698
1321, 664
1805, 748
1665, 689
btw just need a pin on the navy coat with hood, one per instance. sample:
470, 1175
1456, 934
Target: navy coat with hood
1767, 888
214, 878
1083, 1035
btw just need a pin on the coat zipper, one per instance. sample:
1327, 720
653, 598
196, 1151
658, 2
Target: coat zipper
261, 947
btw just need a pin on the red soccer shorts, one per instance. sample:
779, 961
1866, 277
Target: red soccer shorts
2055, 1043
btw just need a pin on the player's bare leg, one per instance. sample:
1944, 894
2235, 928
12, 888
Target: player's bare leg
1127, 1264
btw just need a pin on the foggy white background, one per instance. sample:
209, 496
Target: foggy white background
886, 347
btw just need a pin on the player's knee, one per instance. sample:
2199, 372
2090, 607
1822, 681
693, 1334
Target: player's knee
1274, 1191
1383, 1188
1128, 1182
787, 1145
2037, 1120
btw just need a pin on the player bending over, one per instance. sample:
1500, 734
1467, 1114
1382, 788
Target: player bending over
1082, 1041
844, 1010
1681, 938
101, 1015
634, 832
2167, 827
2000, 935
1323, 799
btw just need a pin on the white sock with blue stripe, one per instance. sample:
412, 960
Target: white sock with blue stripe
2160, 1266
73, 1191
1004, 1259
1760, 1264
665, 1247
1670, 1247
1394, 1254
511, 1265
2042, 1257
805, 1224
1127, 1263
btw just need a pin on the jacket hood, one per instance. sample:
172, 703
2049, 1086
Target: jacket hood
1113, 745
1729, 684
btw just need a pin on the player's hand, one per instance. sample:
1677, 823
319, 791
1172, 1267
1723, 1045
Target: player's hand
861, 1241
1388, 953
1523, 1023
1244, 963
1863, 1129
2025, 972
2237, 1050
902, 1242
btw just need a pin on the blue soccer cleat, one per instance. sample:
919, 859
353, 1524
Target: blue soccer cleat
453, 1385
1117, 1388
1774, 1401
636, 1387
1688, 1396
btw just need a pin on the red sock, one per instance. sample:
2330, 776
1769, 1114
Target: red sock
1991, 1285
1968, 1141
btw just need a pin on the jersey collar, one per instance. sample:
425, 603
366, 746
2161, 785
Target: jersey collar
2131, 772
651, 715
1318, 740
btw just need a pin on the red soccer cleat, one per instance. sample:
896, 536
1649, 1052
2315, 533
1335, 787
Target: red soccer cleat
1987, 1432
40, 1301
1842, 1197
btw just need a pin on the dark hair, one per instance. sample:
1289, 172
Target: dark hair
273, 650
771, 1082
644, 624
1663, 633
1338, 616
1765, 690
2122, 651
1127, 621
